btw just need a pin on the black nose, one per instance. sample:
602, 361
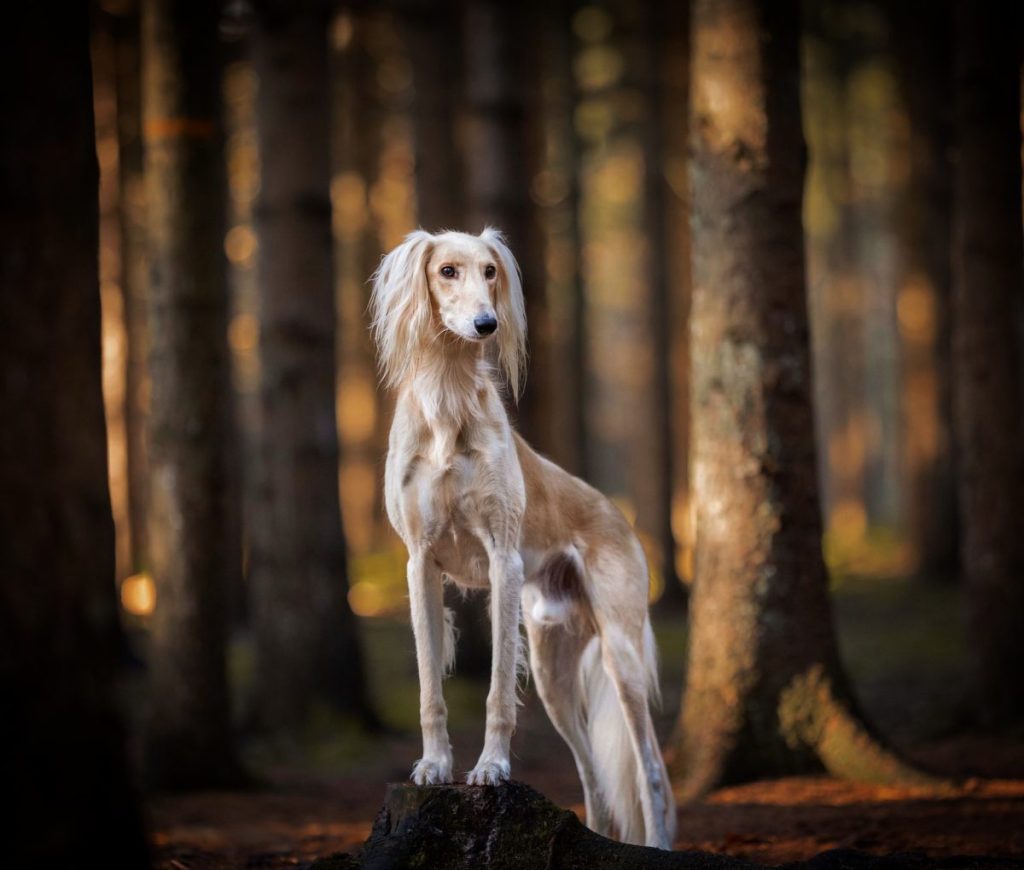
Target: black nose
485, 324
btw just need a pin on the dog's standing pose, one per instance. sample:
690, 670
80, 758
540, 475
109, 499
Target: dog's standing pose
474, 504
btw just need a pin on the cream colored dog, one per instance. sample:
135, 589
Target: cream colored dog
476, 506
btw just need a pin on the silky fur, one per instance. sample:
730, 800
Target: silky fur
475, 505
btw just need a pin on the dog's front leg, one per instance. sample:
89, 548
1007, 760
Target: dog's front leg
426, 602
506, 578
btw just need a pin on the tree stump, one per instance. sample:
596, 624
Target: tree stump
460, 827
513, 827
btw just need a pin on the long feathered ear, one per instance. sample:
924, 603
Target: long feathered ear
510, 309
400, 306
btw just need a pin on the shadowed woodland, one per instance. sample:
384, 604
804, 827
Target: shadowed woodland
772, 257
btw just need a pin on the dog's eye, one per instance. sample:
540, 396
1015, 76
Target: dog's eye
448, 271
490, 272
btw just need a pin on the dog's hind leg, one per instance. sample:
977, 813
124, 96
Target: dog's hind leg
624, 665
429, 627
555, 653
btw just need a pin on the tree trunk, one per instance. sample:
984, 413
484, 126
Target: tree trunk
63, 734
189, 743
560, 196
834, 283
765, 690
666, 46
307, 651
924, 59
133, 272
439, 194
500, 152
986, 295
620, 221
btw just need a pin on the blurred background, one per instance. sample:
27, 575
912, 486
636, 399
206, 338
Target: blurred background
296, 146
585, 136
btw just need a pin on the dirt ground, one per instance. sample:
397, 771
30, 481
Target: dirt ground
770, 822
327, 803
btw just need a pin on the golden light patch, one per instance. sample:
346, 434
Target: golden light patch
915, 309
848, 519
138, 595
367, 599
244, 333
240, 245
356, 409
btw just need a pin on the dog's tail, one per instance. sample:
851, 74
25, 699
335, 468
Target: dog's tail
616, 761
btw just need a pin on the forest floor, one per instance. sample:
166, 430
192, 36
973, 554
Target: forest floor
903, 643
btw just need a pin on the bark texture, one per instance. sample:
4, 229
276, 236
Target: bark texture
987, 259
307, 650
63, 736
765, 691
189, 743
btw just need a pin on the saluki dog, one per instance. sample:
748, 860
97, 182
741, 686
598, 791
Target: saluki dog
475, 505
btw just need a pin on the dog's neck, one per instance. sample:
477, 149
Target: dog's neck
450, 387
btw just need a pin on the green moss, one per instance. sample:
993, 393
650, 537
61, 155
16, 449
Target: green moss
811, 714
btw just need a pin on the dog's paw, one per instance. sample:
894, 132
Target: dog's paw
488, 773
427, 772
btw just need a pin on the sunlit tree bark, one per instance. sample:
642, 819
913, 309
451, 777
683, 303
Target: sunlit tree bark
765, 691
307, 651
127, 63
189, 733
987, 255
65, 764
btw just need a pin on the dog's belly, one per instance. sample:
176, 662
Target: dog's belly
460, 555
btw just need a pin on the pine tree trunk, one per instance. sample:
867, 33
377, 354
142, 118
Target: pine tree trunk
439, 194
189, 740
307, 651
765, 690
675, 130
500, 154
127, 63
666, 39
59, 637
358, 150
924, 58
567, 355
834, 282
987, 397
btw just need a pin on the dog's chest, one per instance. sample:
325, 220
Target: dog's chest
441, 486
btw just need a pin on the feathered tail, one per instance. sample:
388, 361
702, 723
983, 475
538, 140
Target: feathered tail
616, 761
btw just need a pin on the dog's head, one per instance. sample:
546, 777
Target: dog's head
451, 283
